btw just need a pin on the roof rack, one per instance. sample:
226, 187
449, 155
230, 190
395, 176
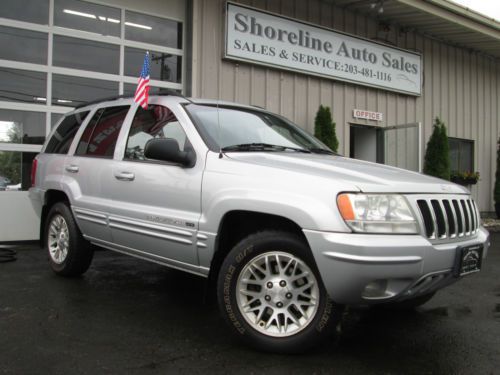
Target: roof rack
164, 92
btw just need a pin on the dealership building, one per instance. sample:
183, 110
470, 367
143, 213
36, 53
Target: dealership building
386, 68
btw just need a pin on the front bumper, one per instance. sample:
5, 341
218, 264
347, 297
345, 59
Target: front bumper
370, 268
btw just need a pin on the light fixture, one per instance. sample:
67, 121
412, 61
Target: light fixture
76, 13
138, 25
102, 18
39, 99
113, 20
64, 101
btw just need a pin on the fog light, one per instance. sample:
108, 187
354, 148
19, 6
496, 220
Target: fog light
375, 289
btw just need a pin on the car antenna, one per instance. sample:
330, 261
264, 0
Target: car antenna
219, 130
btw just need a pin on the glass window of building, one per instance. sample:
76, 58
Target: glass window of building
86, 55
23, 86
81, 15
72, 91
461, 154
154, 30
164, 66
15, 170
23, 45
88, 51
36, 11
25, 127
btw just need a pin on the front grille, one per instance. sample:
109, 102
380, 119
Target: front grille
449, 218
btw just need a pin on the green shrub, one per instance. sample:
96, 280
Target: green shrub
496, 191
437, 154
324, 128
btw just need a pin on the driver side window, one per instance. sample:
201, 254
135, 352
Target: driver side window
155, 122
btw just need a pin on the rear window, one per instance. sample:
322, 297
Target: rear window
101, 133
64, 134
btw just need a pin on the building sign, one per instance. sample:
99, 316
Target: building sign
267, 39
368, 115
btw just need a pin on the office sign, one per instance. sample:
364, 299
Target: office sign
368, 115
263, 38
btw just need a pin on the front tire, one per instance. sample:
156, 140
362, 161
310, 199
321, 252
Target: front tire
271, 294
69, 253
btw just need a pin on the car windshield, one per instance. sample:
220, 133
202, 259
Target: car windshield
230, 128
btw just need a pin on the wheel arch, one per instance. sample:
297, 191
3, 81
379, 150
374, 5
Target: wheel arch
238, 224
50, 197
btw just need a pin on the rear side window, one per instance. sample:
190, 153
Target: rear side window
100, 135
64, 134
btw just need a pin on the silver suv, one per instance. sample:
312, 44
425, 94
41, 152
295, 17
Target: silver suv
285, 230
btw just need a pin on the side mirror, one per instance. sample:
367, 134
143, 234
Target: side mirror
167, 149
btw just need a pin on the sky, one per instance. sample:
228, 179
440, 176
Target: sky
490, 8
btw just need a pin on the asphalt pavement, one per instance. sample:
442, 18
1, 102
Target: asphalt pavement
127, 316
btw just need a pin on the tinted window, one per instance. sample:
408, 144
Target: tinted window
63, 136
155, 122
99, 137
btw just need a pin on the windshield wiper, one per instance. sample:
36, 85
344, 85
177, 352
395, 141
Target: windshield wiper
262, 147
318, 150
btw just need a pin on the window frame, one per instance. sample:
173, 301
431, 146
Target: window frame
152, 161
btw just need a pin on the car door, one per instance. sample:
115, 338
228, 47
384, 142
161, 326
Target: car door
156, 205
89, 169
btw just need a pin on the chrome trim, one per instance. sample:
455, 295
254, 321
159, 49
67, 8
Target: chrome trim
161, 228
89, 212
92, 220
150, 233
373, 259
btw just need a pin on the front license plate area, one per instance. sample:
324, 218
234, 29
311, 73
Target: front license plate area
468, 260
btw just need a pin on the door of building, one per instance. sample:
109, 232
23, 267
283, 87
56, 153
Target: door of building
403, 146
398, 145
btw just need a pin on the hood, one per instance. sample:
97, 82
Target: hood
365, 176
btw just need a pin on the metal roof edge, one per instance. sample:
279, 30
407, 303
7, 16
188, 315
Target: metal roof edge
466, 17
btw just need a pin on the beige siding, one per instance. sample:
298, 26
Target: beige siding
461, 87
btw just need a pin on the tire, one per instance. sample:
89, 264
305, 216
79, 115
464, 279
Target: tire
410, 304
255, 314
69, 253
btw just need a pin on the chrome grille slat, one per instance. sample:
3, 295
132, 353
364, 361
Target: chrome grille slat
448, 217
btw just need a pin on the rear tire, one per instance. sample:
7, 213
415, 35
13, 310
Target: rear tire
271, 294
69, 253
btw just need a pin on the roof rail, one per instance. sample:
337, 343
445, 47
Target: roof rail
164, 92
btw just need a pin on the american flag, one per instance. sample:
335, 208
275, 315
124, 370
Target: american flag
142, 92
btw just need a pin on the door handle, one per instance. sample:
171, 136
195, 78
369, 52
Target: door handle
72, 168
125, 176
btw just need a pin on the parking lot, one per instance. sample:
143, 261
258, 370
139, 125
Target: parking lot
126, 316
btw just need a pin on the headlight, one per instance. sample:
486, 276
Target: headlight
377, 213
